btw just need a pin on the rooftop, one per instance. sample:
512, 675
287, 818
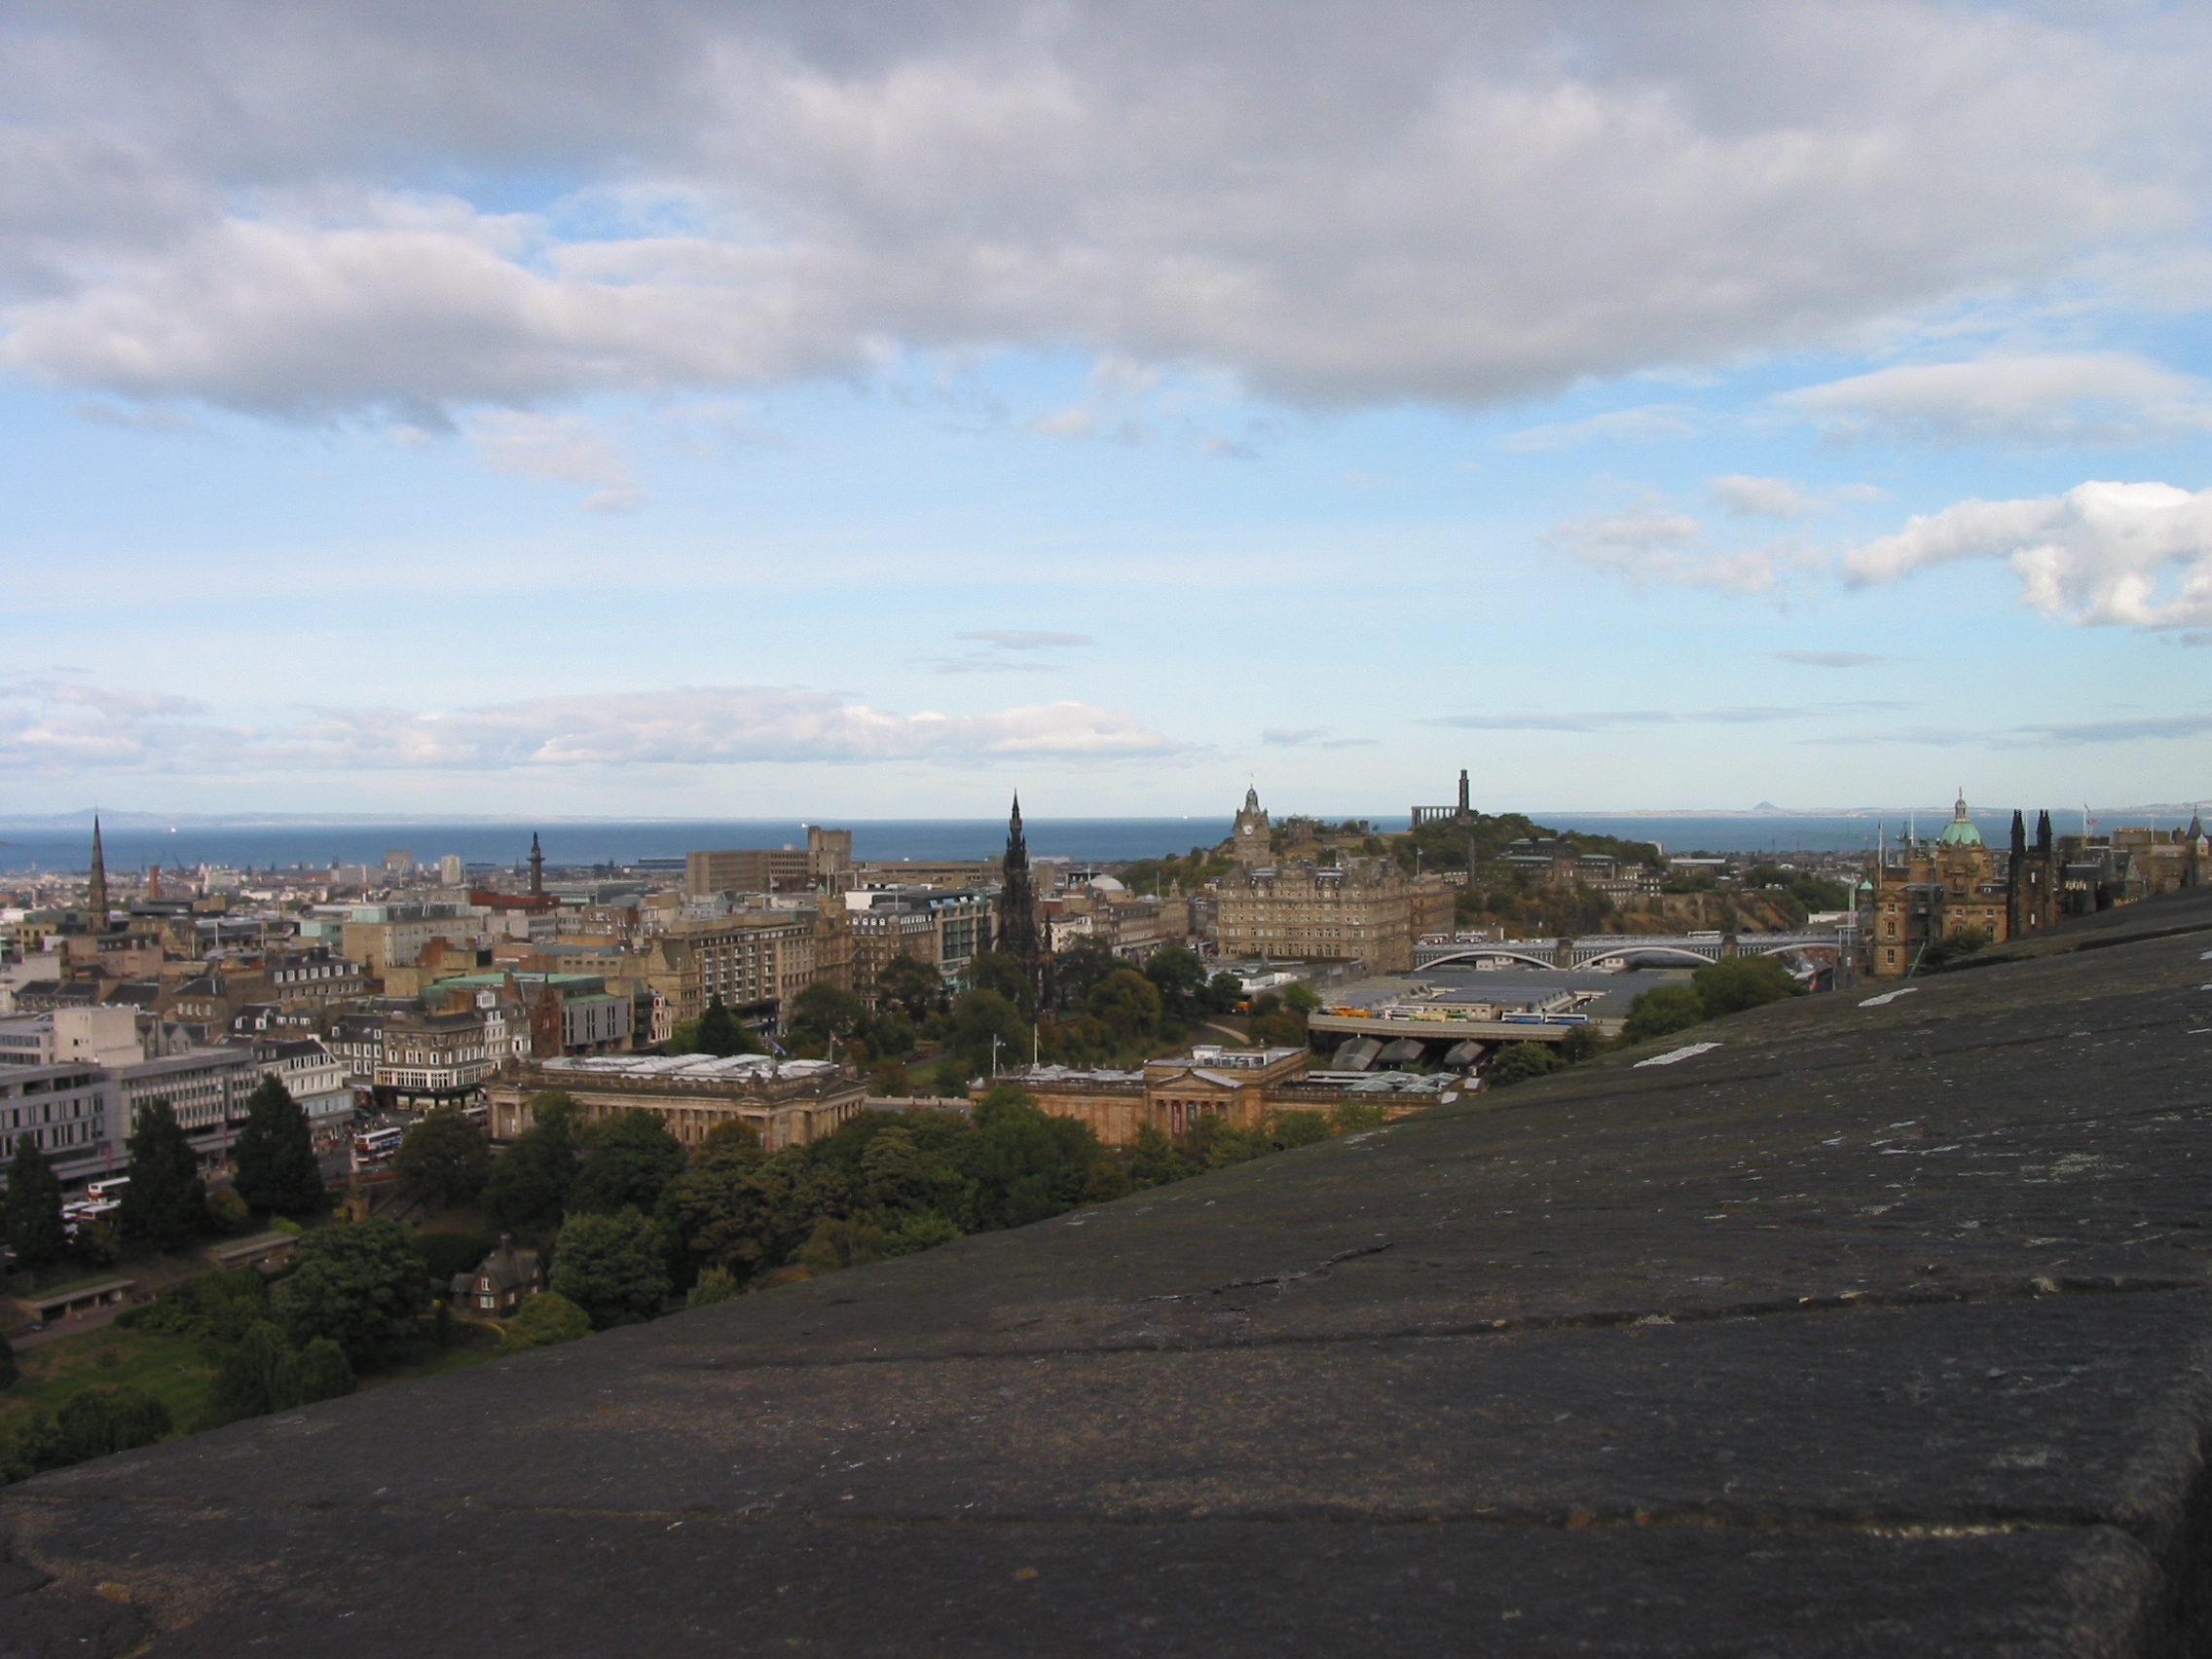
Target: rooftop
1877, 1329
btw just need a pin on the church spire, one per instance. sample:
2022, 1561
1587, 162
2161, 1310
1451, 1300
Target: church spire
96, 894
536, 866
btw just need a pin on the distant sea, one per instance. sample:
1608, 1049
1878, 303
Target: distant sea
578, 843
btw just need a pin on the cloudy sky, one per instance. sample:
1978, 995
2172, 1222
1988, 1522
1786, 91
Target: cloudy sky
854, 409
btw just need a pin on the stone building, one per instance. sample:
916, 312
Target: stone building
822, 865
1926, 891
1242, 1087
1364, 908
943, 928
754, 959
501, 1282
785, 1103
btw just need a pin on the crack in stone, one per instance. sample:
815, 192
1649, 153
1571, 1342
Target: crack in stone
2043, 1287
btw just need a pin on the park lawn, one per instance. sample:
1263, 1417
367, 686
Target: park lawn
178, 1371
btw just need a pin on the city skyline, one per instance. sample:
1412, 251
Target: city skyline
851, 413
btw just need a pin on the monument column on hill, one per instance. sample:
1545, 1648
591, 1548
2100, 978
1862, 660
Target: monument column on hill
537, 864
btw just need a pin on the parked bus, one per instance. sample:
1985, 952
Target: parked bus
108, 1187
378, 1143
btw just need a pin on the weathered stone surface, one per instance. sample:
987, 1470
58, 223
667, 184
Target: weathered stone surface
1876, 1329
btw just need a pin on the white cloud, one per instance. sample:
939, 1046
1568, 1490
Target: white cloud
1026, 639
1655, 423
1650, 542
2139, 554
1409, 199
560, 447
1828, 659
2081, 397
1749, 496
79, 728
1312, 737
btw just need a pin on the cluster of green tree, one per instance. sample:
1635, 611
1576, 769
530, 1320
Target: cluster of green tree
546, 1318
263, 1373
630, 1220
166, 1204
1726, 986
1448, 843
1811, 892
91, 1423
718, 1031
354, 1297
1183, 872
1546, 910
1102, 1011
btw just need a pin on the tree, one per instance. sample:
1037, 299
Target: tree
276, 1167
166, 1201
227, 1212
1129, 1005
1180, 978
528, 1190
1274, 1026
739, 1210
911, 985
324, 1374
1738, 982
102, 1420
360, 1284
1078, 969
9, 1370
890, 1081
1224, 991
34, 1207
613, 1266
1028, 1164
96, 1245
1292, 1127
822, 1012
1661, 1011
719, 1033
445, 1159
1000, 974
628, 1161
447, 1255
840, 1243
715, 1284
546, 1318
977, 1016
892, 1170
258, 1376
1518, 1062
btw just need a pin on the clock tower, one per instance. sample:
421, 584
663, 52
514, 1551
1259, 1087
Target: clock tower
1249, 842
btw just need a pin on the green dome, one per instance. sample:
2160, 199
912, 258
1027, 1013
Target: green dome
1960, 832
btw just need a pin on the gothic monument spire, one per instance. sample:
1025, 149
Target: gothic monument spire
1017, 934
